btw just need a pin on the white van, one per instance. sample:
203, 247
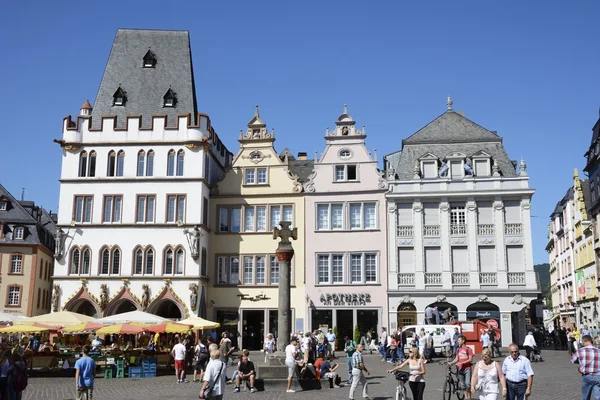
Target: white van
437, 335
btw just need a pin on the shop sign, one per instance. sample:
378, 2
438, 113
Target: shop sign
345, 299
483, 314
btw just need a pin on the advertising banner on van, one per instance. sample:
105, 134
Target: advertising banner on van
483, 314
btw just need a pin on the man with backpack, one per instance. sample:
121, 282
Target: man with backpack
201, 355
85, 369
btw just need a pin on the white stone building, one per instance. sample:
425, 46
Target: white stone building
459, 227
136, 175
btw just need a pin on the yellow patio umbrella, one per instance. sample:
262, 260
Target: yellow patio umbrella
84, 327
200, 323
23, 329
61, 318
122, 329
170, 327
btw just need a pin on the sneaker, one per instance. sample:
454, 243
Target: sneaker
252, 390
236, 390
337, 386
178, 380
228, 382
290, 391
390, 361
349, 382
185, 381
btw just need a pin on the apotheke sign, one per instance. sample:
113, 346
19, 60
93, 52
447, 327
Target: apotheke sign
345, 299
483, 314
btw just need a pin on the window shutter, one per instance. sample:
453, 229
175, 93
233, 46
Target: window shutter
485, 212
514, 258
487, 259
405, 214
406, 262
430, 169
433, 259
431, 212
512, 212
460, 259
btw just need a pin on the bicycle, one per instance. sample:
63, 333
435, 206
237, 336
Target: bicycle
453, 384
402, 378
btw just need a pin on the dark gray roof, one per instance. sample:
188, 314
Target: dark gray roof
450, 132
452, 127
559, 206
38, 223
302, 168
286, 152
587, 194
145, 87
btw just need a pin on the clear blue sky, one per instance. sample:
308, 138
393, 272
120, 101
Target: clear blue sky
528, 69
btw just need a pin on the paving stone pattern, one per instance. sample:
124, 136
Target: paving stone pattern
556, 378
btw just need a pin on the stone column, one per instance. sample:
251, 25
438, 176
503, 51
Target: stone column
284, 256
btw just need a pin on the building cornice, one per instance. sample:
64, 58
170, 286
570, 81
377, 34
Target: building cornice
450, 194
135, 179
141, 225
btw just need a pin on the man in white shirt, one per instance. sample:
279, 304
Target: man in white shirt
485, 339
518, 373
383, 344
290, 362
331, 345
529, 344
447, 343
178, 354
306, 345
214, 377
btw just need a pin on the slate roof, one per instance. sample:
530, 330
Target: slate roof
38, 223
145, 87
302, 168
587, 194
450, 132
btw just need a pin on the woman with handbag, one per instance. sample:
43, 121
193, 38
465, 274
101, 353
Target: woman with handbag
213, 385
486, 377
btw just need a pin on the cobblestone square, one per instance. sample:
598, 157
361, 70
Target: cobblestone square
555, 379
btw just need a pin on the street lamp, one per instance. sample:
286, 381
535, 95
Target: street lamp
193, 238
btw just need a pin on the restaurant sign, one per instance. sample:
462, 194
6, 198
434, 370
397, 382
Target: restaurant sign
483, 314
345, 299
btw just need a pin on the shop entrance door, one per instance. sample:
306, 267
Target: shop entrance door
345, 326
253, 325
273, 321
367, 321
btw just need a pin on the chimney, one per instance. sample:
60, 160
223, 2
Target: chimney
302, 155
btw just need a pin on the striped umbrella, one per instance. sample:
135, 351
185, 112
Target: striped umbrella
122, 329
84, 327
169, 327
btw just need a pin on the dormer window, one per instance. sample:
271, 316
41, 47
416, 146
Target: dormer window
170, 98
19, 233
3, 205
119, 98
482, 165
149, 60
429, 166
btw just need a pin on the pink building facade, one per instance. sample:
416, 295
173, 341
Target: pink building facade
346, 246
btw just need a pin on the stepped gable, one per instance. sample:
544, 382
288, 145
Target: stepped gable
451, 132
145, 70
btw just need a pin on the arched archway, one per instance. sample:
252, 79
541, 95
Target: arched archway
120, 306
442, 306
167, 308
406, 315
85, 307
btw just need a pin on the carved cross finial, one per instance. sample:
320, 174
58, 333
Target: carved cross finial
285, 233
522, 168
345, 108
449, 103
256, 111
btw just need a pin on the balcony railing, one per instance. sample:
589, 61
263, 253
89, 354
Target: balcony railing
431, 230
460, 278
485, 229
405, 231
513, 229
516, 278
458, 229
433, 278
406, 280
488, 278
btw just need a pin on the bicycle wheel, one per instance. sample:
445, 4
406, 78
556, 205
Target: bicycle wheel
460, 394
447, 390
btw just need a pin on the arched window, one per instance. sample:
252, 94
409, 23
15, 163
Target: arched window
110, 170
120, 163
92, 164
150, 163
180, 158
138, 261
179, 261
141, 163
116, 262
83, 162
168, 268
75, 258
171, 163
149, 262
86, 261
105, 262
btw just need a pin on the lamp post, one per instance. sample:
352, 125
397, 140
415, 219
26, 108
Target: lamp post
193, 238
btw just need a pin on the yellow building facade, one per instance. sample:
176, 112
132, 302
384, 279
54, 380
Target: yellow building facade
586, 275
259, 189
